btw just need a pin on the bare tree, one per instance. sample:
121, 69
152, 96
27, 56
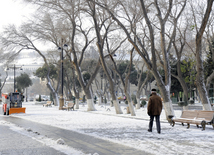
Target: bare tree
199, 60
3, 83
25, 38
179, 50
210, 39
141, 84
98, 24
150, 18
67, 15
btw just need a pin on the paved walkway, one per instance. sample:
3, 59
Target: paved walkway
82, 142
13, 143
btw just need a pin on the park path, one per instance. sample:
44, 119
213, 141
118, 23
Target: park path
82, 142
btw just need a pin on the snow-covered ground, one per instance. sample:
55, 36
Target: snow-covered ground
124, 129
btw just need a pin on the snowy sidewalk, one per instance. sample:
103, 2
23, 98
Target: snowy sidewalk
125, 129
82, 142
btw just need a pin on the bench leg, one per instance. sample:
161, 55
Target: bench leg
188, 126
182, 124
203, 124
213, 126
197, 126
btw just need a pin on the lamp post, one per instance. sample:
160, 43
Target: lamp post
14, 70
61, 99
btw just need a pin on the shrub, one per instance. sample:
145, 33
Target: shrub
143, 103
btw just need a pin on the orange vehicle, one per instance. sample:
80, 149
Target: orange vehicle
12, 103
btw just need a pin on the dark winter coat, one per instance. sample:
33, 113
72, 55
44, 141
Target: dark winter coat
154, 106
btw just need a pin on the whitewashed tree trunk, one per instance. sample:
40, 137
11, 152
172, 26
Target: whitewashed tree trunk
90, 104
207, 107
131, 107
138, 103
117, 107
77, 104
100, 100
168, 109
56, 99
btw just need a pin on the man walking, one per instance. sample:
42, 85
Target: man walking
154, 109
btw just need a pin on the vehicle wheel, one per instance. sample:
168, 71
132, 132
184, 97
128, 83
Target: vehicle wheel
7, 112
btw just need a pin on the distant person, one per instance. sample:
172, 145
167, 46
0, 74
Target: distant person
154, 109
95, 99
124, 98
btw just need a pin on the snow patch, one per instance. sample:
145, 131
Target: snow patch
60, 141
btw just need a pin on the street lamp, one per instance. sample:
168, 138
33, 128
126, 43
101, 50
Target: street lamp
14, 69
61, 100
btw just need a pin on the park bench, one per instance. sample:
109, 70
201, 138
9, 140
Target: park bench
48, 104
69, 106
198, 117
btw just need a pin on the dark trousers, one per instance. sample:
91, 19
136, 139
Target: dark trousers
157, 118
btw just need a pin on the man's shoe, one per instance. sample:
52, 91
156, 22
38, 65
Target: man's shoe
159, 132
149, 130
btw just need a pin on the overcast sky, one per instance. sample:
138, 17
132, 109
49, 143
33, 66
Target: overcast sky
13, 12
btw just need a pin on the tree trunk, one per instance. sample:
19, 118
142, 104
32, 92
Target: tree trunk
200, 77
2, 86
100, 44
90, 101
77, 100
77, 103
131, 107
114, 99
165, 94
128, 97
54, 93
209, 79
138, 102
99, 100
199, 62
140, 87
183, 84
